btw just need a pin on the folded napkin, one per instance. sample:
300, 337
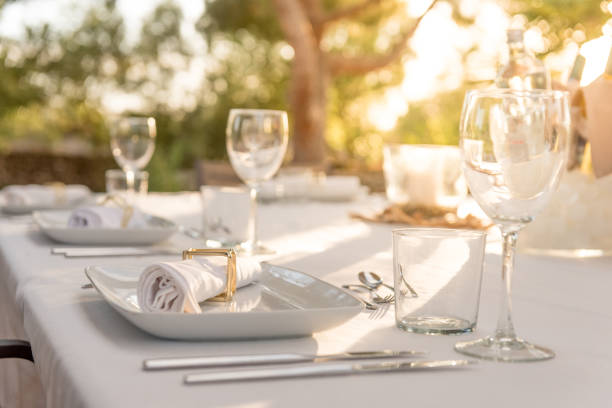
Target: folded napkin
180, 286
101, 216
34, 194
292, 185
336, 188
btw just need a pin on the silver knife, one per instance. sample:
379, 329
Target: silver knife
319, 370
76, 252
263, 359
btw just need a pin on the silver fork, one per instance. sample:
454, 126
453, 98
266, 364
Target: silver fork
384, 300
380, 311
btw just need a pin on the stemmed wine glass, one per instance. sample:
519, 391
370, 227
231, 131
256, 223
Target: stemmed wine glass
132, 140
515, 146
256, 142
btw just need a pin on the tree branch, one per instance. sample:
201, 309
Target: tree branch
314, 11
348, 11
340, 64
296, 26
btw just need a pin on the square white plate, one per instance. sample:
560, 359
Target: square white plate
284, 303
55, 225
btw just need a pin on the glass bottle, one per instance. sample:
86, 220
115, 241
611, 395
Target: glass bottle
523, 71
573, 81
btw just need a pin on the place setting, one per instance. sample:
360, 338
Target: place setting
74, 215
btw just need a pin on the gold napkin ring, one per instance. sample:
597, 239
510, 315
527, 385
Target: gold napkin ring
230, 254
128, 210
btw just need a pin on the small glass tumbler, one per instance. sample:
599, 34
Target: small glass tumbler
437, 274
225, 215
116, 182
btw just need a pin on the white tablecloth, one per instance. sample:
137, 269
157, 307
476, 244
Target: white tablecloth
88, 355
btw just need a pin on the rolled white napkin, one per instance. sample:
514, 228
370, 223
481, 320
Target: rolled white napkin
39, 195
180, 286
101, 216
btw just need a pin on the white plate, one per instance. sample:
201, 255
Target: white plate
284, 303
55, 225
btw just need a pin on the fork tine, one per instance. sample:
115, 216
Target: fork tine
384, 310
375, 312
380, 312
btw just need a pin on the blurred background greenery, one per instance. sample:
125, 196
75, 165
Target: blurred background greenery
67, 67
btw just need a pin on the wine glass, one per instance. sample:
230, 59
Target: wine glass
132, 142
515, 146
256, 142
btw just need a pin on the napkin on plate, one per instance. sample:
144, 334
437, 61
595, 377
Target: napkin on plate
180, 286
40, 195
101, 216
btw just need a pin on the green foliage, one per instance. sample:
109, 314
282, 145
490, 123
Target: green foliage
228, 16
559, 19
422, 123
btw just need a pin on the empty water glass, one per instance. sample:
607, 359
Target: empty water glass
437, 274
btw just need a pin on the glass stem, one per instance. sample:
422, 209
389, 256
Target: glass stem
505, 328
253, 218
129, 181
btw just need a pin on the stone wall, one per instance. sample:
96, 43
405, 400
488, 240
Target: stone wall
41, 167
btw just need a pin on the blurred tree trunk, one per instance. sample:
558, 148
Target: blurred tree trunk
303, 23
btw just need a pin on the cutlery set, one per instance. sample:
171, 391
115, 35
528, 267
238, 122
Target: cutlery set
367, 292
291, 365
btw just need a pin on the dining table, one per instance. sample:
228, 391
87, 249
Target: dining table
87, 355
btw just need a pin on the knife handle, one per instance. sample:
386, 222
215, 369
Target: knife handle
221, 361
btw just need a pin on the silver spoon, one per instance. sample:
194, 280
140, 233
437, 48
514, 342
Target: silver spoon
373, 280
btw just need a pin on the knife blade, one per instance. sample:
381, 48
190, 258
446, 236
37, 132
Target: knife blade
319, 370
264, 359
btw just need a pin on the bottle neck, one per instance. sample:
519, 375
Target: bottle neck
576, 73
